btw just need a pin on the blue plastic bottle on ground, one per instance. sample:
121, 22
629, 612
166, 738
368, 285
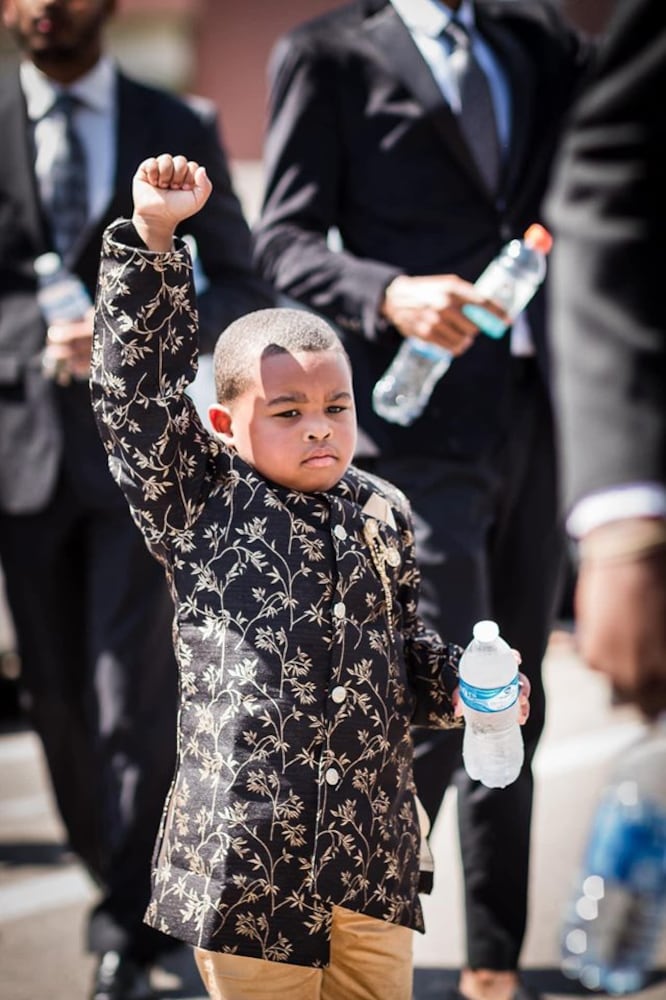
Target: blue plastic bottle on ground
617, 913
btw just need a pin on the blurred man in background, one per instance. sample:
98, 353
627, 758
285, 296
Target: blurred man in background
90, 607
608, 211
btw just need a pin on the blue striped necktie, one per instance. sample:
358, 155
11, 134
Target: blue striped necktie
477, 114
67, 206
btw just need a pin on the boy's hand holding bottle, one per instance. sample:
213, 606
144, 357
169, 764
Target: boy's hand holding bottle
167, 189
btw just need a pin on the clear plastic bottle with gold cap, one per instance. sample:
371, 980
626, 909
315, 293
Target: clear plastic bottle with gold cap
510, 280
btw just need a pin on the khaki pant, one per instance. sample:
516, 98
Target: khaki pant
370, 960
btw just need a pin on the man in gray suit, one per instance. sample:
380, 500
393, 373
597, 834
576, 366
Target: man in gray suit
90, 605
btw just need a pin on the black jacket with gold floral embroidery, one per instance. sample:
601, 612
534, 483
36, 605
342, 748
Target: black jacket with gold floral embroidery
303, 662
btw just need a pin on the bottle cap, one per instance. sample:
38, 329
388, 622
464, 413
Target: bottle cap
538, 238
486, 631
47, 264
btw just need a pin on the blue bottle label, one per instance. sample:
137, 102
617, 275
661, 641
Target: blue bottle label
486, 321
433, 352
489, 699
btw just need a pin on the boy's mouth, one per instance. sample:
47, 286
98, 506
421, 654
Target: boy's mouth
320, 458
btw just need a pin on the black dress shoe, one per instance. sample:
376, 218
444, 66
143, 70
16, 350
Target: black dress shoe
119, 978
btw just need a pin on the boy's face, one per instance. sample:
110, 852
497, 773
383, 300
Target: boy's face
296, 423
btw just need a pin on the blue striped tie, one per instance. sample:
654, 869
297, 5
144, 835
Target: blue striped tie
477, 114
67, 207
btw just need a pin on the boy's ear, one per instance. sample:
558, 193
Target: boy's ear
220, 420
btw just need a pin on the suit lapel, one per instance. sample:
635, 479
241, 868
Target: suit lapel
17, 173
386, 31
133, 144
134, 133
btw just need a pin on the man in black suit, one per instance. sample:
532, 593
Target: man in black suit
366, 137
608, 209
90, 605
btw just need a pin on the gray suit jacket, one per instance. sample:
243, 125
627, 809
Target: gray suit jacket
41, 425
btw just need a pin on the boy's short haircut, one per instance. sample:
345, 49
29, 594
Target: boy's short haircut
266, 332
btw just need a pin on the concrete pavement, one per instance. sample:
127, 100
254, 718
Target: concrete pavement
44, 894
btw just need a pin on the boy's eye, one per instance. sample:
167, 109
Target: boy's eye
334, 409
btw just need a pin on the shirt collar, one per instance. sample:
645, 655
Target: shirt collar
95, 89
430, 17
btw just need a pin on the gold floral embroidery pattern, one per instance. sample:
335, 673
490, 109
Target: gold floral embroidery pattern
382, 555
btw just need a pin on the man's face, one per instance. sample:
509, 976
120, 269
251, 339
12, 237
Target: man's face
296, 423
57, 31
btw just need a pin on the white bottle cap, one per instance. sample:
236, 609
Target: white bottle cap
47, 264
485, 631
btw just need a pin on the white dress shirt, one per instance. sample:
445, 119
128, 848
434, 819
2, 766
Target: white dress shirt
616, 504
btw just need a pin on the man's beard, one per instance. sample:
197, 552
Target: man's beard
59, 52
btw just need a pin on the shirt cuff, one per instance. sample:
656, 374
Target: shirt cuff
615, 504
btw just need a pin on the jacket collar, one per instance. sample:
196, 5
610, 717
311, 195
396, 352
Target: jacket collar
16, 163
386, 31
96, 88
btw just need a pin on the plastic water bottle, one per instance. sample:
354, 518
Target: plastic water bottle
62, 298
617, 913
402, 393
511, 280
493, 750
61, 295
199, 276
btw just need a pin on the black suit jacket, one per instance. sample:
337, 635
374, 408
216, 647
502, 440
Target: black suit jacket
361, 139
39, 423
608, 211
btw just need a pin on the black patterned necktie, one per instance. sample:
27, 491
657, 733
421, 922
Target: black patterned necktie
477, 114
67, 206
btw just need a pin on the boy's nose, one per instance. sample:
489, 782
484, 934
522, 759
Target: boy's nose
318, 431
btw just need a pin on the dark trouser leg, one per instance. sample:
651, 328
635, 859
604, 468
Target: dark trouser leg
526, 553
488, 547
42, 563
136, 693
93, 620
